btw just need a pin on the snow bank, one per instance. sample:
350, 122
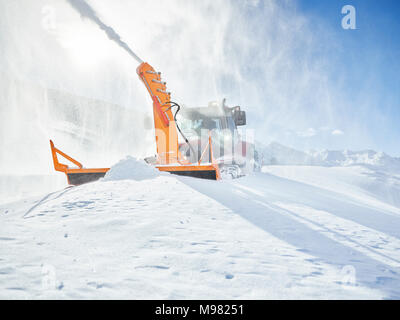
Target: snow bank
258, 237
361, 182
131, 168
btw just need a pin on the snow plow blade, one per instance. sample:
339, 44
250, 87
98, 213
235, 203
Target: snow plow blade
75, 176
78, 178
206, 171
80, 175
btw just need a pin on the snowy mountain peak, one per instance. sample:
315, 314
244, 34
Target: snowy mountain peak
278, 154
348, 157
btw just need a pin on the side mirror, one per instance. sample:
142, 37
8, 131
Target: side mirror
239, 117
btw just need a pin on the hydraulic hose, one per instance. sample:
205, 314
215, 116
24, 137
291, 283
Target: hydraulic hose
174, 104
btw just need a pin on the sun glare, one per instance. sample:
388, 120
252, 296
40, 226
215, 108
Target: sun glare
87, 47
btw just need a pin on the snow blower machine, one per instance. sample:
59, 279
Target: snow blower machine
201, 129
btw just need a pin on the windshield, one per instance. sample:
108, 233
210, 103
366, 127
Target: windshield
200, 123
196, 120
196, 123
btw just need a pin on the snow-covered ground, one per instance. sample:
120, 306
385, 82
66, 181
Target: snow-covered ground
289, 232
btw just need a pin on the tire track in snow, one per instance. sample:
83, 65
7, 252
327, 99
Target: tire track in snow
46, 199
374, 244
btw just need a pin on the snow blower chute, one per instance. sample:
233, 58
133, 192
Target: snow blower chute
168, 158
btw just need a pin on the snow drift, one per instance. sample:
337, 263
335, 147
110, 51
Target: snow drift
263, 236
131, 169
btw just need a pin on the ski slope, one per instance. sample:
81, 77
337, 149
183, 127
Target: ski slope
290, 232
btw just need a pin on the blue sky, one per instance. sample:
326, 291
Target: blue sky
368, 62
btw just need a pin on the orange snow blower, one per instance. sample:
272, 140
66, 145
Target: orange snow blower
168, 157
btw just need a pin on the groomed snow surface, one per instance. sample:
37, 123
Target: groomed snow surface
289, 232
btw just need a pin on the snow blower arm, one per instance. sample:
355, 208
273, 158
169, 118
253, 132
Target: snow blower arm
169, 157
164, 123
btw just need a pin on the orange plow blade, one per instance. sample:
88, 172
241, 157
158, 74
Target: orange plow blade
75, 176
80, 175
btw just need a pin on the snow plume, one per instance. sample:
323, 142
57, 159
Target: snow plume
87, 11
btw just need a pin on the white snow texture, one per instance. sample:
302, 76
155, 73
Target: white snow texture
288, 232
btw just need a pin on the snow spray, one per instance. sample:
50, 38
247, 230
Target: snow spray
86, 11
